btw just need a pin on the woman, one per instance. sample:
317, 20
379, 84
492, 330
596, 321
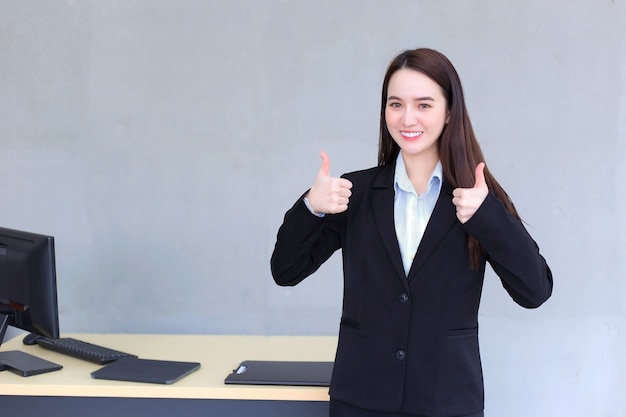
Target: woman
416, 233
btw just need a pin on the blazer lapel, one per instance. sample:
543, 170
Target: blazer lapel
382, 207
441, 220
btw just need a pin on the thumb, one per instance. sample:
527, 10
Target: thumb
325, 168
480, 176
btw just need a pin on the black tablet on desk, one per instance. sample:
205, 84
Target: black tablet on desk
282, 373
145, 370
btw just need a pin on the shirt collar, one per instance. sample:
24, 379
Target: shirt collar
402, 181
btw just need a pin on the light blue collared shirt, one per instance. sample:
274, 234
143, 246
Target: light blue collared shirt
411, 211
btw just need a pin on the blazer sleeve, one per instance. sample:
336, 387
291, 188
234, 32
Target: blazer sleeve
303, 243
512, 253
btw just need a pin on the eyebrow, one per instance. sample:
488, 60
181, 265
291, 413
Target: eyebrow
426, 98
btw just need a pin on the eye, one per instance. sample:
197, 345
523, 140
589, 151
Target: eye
394, 105
424, 106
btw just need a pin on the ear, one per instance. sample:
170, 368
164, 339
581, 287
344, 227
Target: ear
448, 117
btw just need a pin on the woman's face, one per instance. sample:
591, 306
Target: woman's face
416, 112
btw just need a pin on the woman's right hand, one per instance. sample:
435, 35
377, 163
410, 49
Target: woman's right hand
329, 195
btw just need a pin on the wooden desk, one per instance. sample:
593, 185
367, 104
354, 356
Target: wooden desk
72, 392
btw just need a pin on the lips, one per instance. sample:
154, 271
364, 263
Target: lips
411, 135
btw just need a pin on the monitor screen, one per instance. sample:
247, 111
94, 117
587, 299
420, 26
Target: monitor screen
28, 296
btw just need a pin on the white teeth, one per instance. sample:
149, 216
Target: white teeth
411, 134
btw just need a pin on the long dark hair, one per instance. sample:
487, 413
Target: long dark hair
459, 150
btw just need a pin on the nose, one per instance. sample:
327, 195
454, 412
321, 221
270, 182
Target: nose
409, 118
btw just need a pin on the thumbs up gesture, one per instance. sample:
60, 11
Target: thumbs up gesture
468, 200
329, 194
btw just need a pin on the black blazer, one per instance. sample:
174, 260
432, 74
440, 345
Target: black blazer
410, 344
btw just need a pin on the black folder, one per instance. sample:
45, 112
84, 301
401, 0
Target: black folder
282, 373
145, 370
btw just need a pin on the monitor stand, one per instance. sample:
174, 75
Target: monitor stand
4, 324
22, 363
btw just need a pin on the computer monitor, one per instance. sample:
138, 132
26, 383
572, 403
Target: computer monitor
28, 294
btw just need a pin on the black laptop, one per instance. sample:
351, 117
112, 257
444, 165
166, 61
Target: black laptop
145, 370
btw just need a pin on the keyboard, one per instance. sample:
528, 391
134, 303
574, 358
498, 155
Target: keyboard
82, 350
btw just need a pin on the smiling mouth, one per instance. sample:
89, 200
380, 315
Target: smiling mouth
411, 135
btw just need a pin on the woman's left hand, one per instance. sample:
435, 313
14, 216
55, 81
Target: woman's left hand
468, 200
